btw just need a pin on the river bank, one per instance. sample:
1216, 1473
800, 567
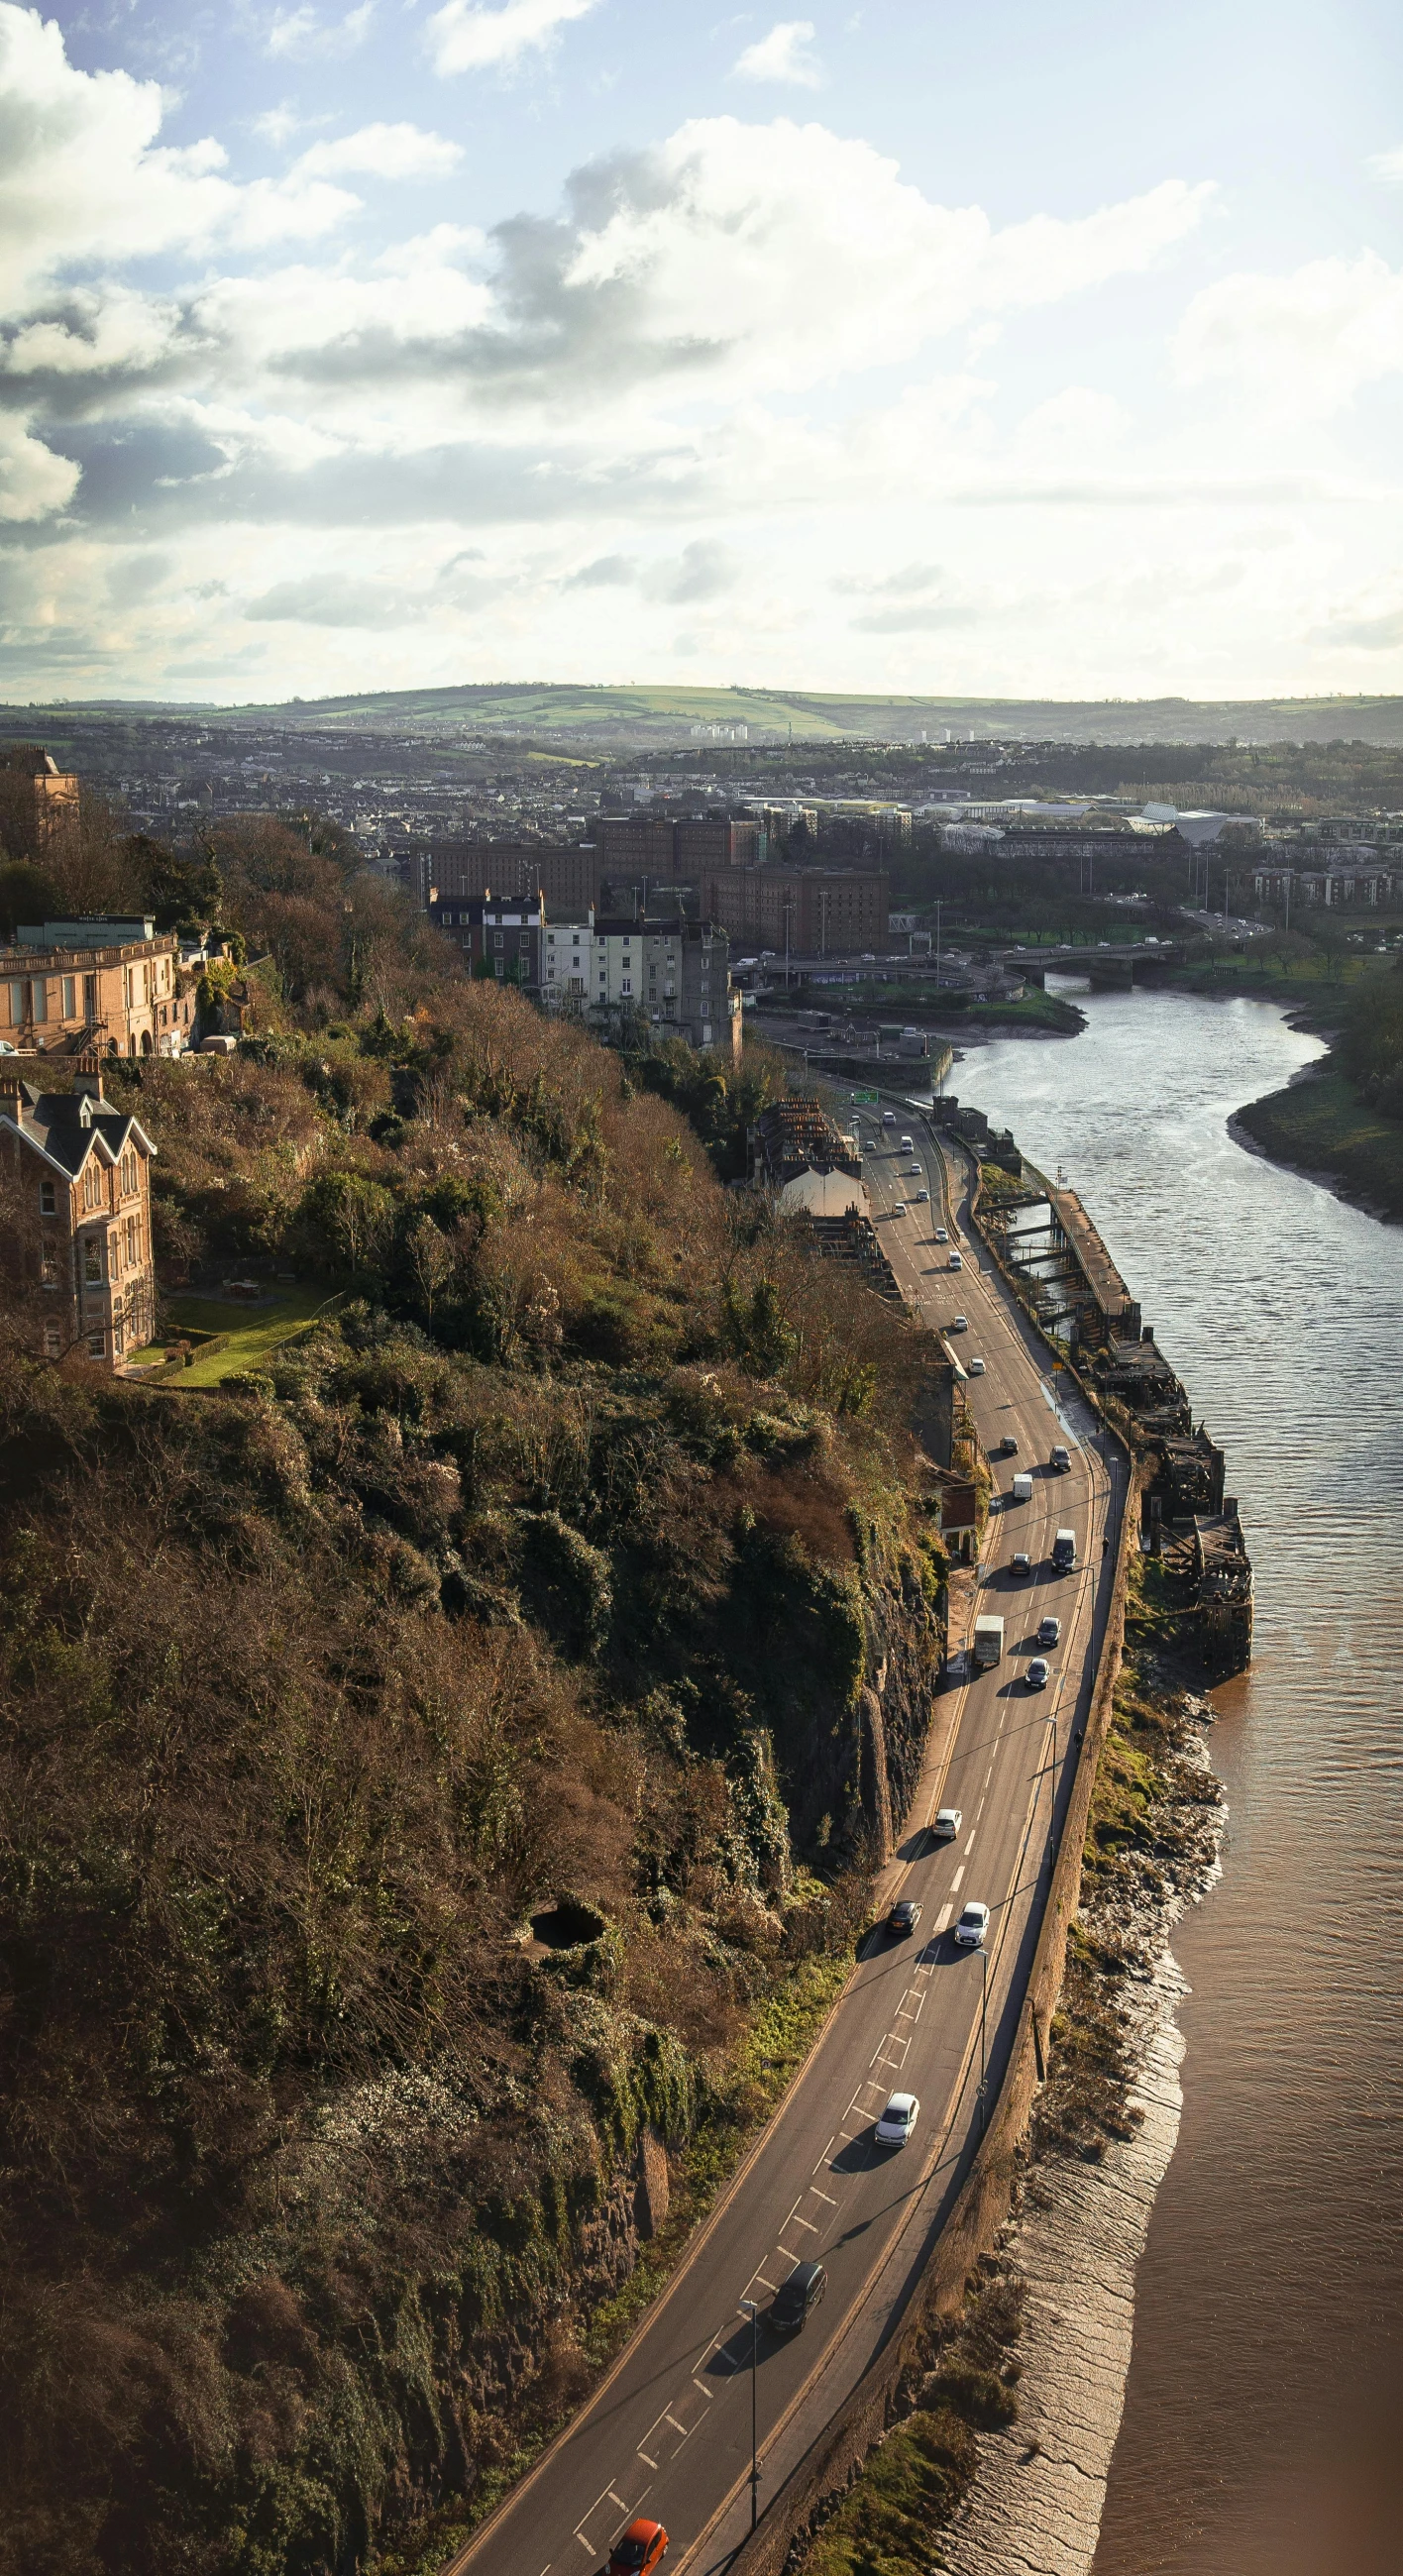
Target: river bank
1320, 1127
1000, 2465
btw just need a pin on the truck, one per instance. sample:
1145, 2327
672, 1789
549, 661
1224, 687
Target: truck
1064, 1551
1022, 1489
988, 1642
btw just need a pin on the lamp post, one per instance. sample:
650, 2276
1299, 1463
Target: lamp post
750, 2308
1052, 1775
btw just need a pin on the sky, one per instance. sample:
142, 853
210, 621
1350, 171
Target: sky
1031, 349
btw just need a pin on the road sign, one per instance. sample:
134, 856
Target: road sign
867, 1099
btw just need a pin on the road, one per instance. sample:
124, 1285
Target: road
669, 2431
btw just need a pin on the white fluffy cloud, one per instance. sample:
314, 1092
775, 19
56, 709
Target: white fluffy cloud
383, 152
302, 35
464, 37
786, 54
1317, 335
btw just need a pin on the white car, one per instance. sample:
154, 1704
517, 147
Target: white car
957, 1261
960, 1324
913, 1172
975, 1367
972, 1926
947, 1824
898, 2120
942, 1234
900, 1208
923, 1198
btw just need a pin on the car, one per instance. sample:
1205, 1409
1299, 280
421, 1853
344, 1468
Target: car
900, 1208
904, 1915
895, 2126
914, 1172
947, 1825
1022, 1561
976, 1368
1061, 1461
795, 2300
972, 1926
1008, 1446
888, 1117
960, 1324
1049, 1631
957, 1261
1039, 1673
923, 1198
942, 1234
638, 2550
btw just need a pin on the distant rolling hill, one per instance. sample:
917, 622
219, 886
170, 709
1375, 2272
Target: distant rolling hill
621, 716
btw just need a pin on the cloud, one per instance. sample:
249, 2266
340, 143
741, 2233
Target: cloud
33, 481
607, 572
330, 599
1387, 166
704, 570
1367, 634
463, 37
911, 577
783, 55
921, 617
302, 35
1316, 336
383, 152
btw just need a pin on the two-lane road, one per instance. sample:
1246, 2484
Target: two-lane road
669, 2431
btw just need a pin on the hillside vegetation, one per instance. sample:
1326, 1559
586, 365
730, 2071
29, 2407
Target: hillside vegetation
424, 1757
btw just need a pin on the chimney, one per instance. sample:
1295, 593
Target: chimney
87, 1079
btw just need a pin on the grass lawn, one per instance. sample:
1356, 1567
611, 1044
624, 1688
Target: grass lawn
1323, 1126
252, 1333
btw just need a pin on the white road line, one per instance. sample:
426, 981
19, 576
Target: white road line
823, 2195
652, 2464
789, 2258
794, 2220
943, 1917
697, 2383
823, 2159
955, 1881
969, 1846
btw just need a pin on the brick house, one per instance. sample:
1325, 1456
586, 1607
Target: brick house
77, 1170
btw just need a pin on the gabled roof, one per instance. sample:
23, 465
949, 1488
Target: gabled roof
65, 1127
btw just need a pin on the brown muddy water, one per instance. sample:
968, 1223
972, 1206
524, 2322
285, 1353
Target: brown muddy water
1263, 2427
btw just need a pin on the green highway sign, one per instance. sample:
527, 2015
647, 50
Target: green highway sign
867, 1099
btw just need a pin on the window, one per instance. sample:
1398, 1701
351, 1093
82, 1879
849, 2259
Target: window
499, 939
93, 1270
48, 1262
53, 1342
16, 1005
70, 997
627, 985
48, 1199
501, 965
97, 1346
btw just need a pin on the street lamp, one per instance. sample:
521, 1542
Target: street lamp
749, 2308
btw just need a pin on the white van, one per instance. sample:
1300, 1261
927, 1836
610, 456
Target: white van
956, 1261
888, 1117
1022, 1489
906, 1145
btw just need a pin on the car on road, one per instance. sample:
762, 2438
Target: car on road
942, 1234
1061, 1461
1049, 1631
960, 1324
976, 1368
947, 1824
1008, 1446
638, 2550
900, 1208
1039, 1673
1022, 1561
957, 1261
972, 1926
796, 2299
898, 2121
904, 1916
923, 1198
914, 1172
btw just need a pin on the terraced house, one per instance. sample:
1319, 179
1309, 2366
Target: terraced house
77, 1174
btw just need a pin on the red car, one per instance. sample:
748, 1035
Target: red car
638, 2550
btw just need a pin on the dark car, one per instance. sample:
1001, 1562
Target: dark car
796, 2298
904, 1917
638, 2550
1008, 1446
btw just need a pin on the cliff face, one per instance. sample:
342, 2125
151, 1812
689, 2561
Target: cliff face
439, 1776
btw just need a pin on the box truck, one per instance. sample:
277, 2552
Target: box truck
1064, 1551
988, 1641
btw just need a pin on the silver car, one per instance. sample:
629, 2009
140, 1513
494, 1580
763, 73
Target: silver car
898, 2121
972, 1926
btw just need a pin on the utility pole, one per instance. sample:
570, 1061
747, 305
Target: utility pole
750, 2308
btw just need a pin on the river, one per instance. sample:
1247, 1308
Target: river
1263, 2427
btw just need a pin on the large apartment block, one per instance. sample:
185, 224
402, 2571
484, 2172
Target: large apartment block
568, 877
99, 987
811, 912
674, 975
78, 1223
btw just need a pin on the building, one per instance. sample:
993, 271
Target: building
810, 912
1344, 883
78, 1169
653, 849
38, 800
104, 986
674, 975
637, 845
567, 876
501, 936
